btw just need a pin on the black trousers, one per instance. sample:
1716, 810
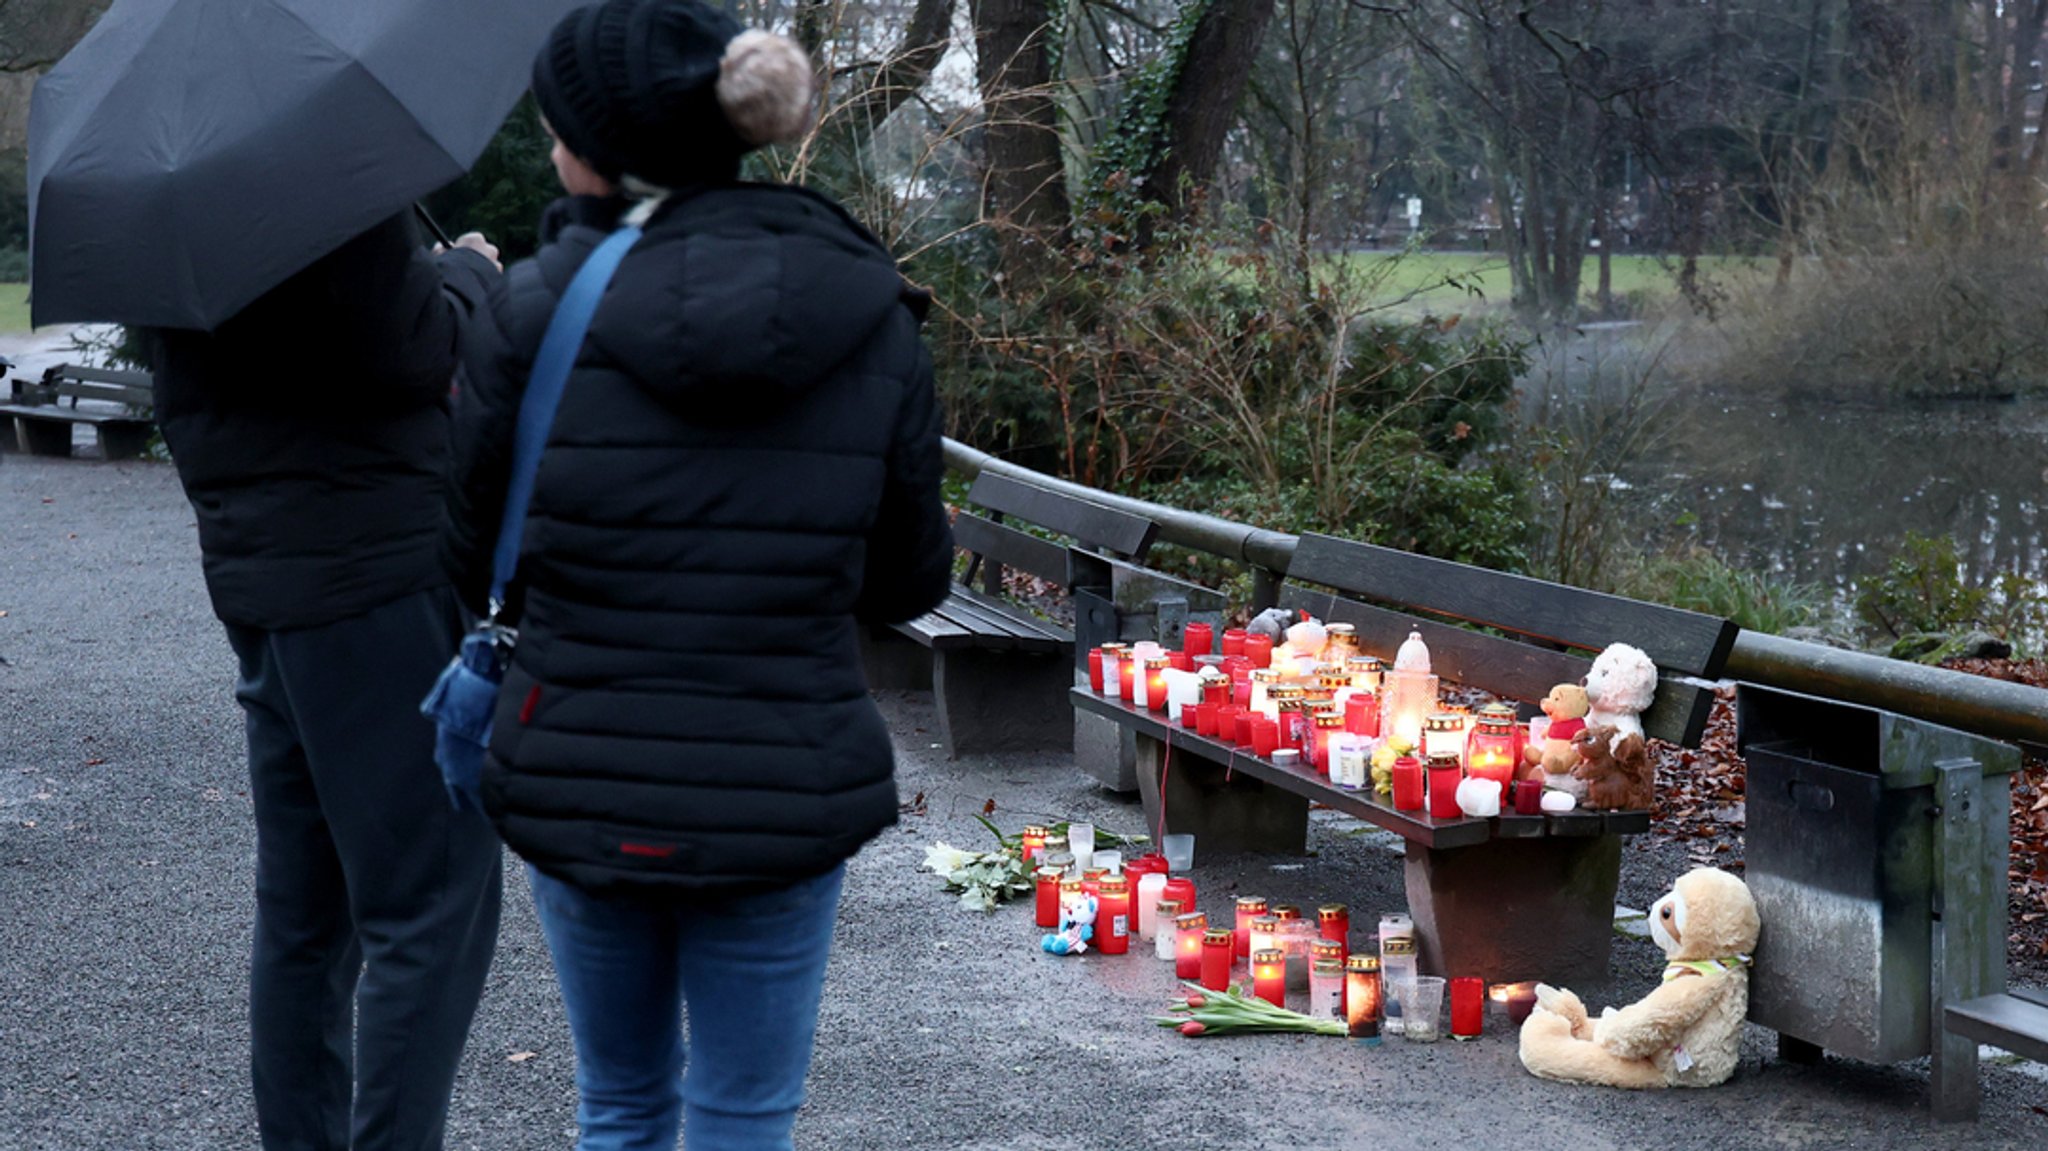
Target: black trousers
376, 903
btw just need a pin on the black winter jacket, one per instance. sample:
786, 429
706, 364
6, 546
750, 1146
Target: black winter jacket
311, 430
744, 467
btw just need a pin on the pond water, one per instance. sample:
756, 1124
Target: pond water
1820, 490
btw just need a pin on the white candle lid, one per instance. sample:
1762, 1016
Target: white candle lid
1414, 654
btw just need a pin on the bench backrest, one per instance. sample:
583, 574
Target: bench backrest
1548, 625
996, 545
77, 382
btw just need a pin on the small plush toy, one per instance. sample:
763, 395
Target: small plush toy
1566, 705
1615, 770
1077, 927
1620, 686
1687, 1032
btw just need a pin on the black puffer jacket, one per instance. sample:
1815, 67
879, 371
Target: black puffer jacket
311, 430
745, 464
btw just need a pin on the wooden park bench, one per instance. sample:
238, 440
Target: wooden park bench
114, 403
1507, 898
999, 672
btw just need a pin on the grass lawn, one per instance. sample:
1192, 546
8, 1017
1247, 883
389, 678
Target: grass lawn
1428, 274
13, 307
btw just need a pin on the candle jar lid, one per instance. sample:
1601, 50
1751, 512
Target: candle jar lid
1336, 629
1154, 663
1061, 860
1033, 831
1286, 757
1285, 693
1360, 961
1444, 721
1266, 923
1326, 966
1116, 647
1333, 680
1113, 885
1362, 663
1269, 956
1050, 874
1286, 911
1217, 936
1498, 710
1265, 675
1071, 883
1251, 904
1447, 762
1494, 725
1326, 949
1095, 874
1329, 911
1191, 921
1329, 719
1167, 908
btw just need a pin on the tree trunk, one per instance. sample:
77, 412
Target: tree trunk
1203, 104
1025, 192
900, 75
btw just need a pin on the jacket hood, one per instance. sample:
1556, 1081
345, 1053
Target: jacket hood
738, 299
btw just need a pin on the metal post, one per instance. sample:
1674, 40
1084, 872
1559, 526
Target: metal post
1964, 929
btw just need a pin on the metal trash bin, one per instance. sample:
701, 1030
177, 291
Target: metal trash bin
1876, 849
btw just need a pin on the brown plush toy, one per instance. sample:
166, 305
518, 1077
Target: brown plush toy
1566, 705
1615, 769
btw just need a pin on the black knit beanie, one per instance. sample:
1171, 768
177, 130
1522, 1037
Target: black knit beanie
633, 87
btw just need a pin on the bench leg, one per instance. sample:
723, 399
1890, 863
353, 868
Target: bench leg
43, 437
995, 701
1106, 750
123, 441
894, 663
1226, 812
1513, 909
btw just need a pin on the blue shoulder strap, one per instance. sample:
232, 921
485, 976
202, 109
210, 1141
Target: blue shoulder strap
551, 366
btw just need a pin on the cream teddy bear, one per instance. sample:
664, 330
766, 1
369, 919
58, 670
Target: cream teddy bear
1686, 1033
1620, 686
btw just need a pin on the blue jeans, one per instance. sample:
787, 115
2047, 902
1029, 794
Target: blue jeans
751, 968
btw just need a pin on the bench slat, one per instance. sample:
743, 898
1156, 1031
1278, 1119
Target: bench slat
996, 621
1095, 525
1681, 641
72, 415
1502, 666
1017, 619
2006, 1021
936, 631
1010, 547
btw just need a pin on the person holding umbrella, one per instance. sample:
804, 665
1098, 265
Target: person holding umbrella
237, 181
742, 471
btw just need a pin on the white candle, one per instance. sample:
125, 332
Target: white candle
1149, 888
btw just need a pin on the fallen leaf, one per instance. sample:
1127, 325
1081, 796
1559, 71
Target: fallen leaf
519, 1057
97, 762
989, 808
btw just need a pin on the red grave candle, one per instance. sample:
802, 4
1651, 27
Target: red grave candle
1362, 714
1468, 1007
1179, 887
1189, 718
1269, 976
1249, 907
1327, 724
1492, 751
1528, 797
1444, 775
1265, 737
1048, 891
1095, 670
1245, 720
1155, 682
1258, 647
1333, 922
1031, 842
1205, 718
1188, 931
1233, 641
1180, 661
1216, 691
1216, 948
1407, 784
1127, 674
1113, 915
1136, 870
1198, 639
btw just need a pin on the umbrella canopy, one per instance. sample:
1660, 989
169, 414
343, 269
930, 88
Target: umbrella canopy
188, 155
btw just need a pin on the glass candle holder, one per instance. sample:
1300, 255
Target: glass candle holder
1249, 907
1165, 938
1397, 962
1155, 682
1245, 720
1205, 718
1198, 639
1407, 783
1444, 777
1047, 890
1217, 947
1265, 736
1320, 948
1258, 647
1190, 928
1325, 726
1333, 922
1294, 938
1264, 929
1362, 714
1095, 670
1407, 698
1513, 1001
1364, 996
1150, 889
1112, 657
1269, 976
1443, 734
1263, 680
1492, 751
1340, 642
1113, 915
1233, 641
1181, 887
1031, 842
1290, 718
1326, 989
1422, 1002
1364, 672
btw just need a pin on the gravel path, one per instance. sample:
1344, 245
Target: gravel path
125, 857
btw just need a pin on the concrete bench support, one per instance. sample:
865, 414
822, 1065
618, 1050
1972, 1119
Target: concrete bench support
1226, 811
997, 701
1514, 909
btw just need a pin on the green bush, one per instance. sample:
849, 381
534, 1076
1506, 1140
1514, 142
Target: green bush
1925, 592
1698, 580
13, 265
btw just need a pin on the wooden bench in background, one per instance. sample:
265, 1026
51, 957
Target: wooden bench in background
1514, 897
998, 672
116, 404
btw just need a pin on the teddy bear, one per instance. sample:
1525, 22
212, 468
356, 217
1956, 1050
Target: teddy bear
1077, 926
1552, 760
1687, 1032
1615, 770
1619, 687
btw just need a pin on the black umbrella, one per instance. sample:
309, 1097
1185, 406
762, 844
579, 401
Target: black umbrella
187, 155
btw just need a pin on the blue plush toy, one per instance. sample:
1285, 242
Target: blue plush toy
1077, 926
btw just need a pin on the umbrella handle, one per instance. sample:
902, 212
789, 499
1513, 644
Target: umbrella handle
440, 237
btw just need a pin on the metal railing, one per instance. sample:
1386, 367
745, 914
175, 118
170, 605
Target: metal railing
2009, 711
